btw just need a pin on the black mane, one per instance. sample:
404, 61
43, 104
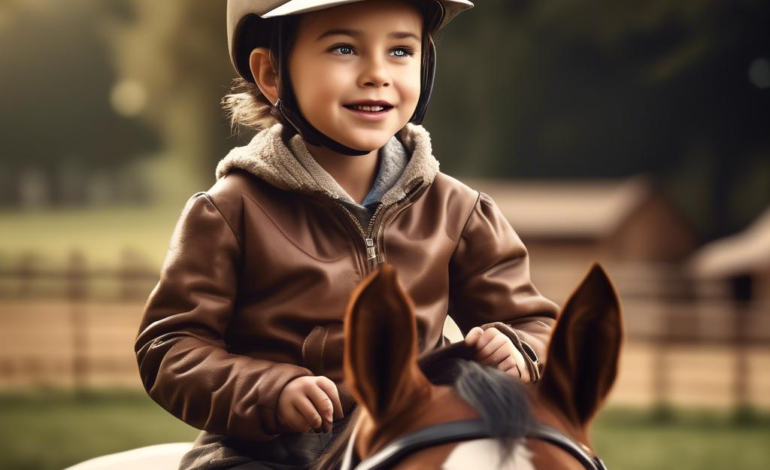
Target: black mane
501, 400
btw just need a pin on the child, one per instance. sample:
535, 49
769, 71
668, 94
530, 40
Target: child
242, 336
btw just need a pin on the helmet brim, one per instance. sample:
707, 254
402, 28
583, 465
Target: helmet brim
292, 7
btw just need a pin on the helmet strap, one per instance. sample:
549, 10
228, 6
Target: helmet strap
428, 74
428, 64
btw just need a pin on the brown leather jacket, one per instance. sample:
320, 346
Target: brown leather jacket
260, 268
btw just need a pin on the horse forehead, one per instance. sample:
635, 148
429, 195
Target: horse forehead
485, 453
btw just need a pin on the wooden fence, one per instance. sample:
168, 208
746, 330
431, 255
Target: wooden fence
56, 319
74, 325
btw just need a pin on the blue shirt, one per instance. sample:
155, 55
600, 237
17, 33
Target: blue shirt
393, 159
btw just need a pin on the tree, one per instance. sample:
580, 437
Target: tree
57, 84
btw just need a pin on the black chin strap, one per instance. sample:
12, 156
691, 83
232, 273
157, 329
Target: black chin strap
312, 135
456, 432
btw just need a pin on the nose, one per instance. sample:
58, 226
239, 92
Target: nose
375, 73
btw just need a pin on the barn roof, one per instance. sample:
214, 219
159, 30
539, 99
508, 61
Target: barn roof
590, 209
743, 253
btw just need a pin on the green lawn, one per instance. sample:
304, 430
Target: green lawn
49, 431
101, 234
634, 440
54, 431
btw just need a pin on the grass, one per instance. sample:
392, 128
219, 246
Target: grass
53, 430
102, 234
636, 440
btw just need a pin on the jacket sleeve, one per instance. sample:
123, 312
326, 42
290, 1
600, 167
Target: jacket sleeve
183, 360
490, 285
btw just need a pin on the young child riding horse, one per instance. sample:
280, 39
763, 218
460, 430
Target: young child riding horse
242, 337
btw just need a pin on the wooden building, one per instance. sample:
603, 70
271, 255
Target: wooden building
627, 225
738, 264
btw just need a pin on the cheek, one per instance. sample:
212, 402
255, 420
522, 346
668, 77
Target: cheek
409, 86
321, 88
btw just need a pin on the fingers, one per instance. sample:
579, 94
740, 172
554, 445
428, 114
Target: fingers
521, 364
480, 338
330, 388
307, 409
291, 417
321, 401
495, 349
473, 336
509, 366
516, 366
309, 403
323, 407
487, 344
323, 395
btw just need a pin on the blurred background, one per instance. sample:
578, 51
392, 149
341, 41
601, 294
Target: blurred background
633, 133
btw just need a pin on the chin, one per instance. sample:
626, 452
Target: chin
365, 139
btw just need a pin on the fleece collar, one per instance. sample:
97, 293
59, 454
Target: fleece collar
293, 168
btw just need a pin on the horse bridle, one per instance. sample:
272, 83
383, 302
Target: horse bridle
456, 432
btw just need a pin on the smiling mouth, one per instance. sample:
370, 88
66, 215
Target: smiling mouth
368, 109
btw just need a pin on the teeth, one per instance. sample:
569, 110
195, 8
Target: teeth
369, 108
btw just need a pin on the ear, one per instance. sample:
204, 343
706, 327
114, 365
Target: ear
264, 73
381, 346
584, 348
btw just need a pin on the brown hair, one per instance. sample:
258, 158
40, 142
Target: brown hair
246, 105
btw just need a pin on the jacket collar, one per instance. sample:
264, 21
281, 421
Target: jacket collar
292, 168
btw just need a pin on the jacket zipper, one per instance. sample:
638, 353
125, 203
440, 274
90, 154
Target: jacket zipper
371, 249
412, 194
373, 255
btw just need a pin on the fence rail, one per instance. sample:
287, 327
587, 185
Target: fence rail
75, 326
29, 278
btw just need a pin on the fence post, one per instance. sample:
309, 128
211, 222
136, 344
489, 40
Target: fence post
661, 376
77, 291
129, 275
27, 271
742, 295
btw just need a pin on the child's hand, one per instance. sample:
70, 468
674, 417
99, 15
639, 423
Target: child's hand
309, 403
495, 349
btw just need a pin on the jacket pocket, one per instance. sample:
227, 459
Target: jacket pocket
322, 351
313, 349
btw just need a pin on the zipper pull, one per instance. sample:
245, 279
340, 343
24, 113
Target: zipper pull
371, 250
371, 253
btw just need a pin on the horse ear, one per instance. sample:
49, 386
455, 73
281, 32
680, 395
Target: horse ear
583, 352
380, 359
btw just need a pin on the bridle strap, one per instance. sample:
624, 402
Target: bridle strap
557, 438
427, 437
457, 431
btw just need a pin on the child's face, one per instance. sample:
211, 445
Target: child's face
340, 69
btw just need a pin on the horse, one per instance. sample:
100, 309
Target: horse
443, 410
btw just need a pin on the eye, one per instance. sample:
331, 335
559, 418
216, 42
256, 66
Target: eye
347, 49
342, 47
407, 51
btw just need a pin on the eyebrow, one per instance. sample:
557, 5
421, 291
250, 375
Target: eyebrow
355, 33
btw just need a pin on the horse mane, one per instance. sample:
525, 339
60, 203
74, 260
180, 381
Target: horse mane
500, 400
